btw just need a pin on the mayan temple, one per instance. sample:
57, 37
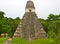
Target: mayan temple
29, 27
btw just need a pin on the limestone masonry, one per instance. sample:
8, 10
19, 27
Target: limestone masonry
29, 27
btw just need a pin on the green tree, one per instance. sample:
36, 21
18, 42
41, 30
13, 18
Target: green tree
1, 15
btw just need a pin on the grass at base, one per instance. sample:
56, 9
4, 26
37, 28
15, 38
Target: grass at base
39, 41
2, 40
42, 41
18, 41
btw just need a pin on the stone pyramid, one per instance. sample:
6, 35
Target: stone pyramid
29, 27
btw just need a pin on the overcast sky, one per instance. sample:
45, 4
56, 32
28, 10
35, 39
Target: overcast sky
16, 8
